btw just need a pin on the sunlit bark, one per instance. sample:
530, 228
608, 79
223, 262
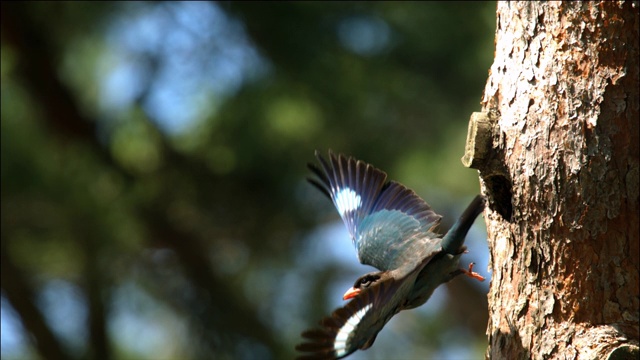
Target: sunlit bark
562, 179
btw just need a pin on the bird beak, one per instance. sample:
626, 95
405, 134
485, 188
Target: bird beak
351, 293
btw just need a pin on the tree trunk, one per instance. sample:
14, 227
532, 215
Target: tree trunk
560, 169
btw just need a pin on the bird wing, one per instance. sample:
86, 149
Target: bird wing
390, 225
353, 326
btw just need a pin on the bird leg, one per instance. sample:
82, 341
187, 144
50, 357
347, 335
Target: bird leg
472, 274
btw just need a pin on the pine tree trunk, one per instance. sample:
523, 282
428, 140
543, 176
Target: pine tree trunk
560, 169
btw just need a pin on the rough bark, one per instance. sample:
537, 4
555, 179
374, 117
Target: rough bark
561, 175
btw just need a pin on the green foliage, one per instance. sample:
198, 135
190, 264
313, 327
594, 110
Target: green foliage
204, 227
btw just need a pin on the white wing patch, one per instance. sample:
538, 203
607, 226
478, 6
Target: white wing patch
340, 343
347, 200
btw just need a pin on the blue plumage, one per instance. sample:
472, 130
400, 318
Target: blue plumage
392, 229
387, 221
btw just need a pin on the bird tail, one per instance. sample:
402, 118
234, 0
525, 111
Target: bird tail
453, 240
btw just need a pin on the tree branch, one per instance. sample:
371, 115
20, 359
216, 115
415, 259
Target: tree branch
20, 295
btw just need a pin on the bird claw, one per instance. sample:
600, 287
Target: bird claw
472, 274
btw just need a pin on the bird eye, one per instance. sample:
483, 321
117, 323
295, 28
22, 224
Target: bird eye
367, 280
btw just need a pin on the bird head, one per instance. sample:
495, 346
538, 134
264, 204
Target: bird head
364, 282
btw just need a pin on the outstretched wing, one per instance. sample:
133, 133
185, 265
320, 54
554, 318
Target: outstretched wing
353, 326
390, 225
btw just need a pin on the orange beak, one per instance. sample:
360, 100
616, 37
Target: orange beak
351, 293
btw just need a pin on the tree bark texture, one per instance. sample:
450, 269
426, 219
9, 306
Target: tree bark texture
561, 176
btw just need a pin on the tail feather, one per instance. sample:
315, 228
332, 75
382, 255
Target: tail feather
453, 240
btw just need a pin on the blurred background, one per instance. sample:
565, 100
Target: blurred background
154, 201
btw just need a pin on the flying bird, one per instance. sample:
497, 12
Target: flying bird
392, 229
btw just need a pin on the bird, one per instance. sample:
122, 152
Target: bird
393, 230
